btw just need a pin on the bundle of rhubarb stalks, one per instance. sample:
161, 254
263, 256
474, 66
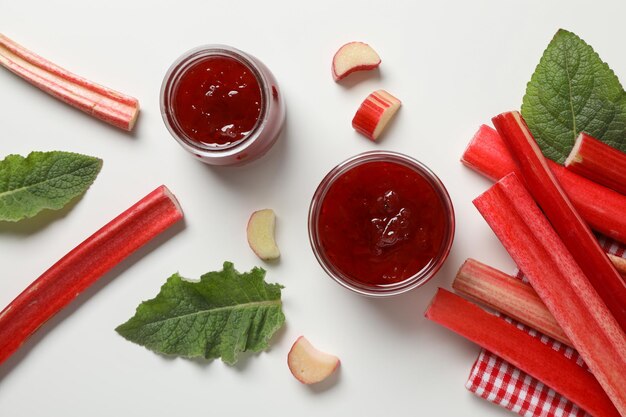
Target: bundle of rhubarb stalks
543, 214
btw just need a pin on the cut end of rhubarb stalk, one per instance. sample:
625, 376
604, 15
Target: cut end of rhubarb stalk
167, 193
308, 364
134, 114
619, 263
352, 57
574, 156
260, 233
374, 113
598, 162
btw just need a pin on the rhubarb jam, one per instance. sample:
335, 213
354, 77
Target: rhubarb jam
217, 101
381, 223
222, 105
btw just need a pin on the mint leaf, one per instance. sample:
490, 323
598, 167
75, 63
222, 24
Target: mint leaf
222, 315
43, 180
573, 90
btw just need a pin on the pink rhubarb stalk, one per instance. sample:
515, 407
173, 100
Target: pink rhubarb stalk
101, 102
599, 162
573, 231
551, 269
602, 208
521, 350
508, 295
81, 267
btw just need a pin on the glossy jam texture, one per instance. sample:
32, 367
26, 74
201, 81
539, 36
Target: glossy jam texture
217, 101
381, 223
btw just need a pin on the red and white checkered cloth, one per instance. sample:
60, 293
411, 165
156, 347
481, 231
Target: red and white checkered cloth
501, 383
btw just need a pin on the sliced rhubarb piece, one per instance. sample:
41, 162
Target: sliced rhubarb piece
599, 162
103, 103
521, 350
573, 231
82, 266
551, 269
374, 113
602, 208
260, 233
308, 364
352, 57
508, 295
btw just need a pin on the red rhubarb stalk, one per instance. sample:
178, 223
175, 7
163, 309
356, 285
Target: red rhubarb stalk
599, 162
508, 295
521, 350
551, 269
573, 231
602, 208
81, 267
101, 102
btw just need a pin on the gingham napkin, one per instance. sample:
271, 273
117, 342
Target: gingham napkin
497, 381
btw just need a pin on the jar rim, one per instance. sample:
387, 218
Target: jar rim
178, 68
419, 278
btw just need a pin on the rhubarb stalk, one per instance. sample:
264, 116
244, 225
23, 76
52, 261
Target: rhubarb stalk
81, 267
551, 269
508, 295
521, 350
103, 103
599, 162
602, 208
574, 232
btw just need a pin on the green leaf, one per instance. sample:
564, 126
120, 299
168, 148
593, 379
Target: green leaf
222, 315
43, 180
573, 90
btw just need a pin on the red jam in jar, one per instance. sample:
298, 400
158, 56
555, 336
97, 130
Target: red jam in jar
217, 101
381, 223
222, 105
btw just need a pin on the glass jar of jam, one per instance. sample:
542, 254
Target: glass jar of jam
222, 105
381, 223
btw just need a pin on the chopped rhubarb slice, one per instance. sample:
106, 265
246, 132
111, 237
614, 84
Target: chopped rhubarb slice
352, 57
101, 102
573, 231
521, 350
551, 269
374, 114
599, 162
84, 265
308, 364
602, 208
260, 233
508, 295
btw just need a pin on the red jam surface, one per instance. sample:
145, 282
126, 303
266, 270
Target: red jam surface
381, 223
217, 101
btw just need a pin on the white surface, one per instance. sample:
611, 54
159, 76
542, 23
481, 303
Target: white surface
453, 64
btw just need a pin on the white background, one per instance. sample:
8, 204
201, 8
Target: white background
454, 64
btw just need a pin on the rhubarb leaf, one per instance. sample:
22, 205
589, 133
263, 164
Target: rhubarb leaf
571, 91
222, 315
43, 180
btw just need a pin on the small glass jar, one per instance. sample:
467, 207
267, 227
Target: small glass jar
258, 140
435, 188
